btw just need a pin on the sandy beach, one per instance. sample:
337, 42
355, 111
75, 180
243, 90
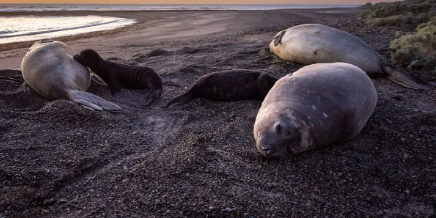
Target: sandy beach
58, 159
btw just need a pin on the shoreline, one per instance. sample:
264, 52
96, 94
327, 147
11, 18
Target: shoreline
68, 38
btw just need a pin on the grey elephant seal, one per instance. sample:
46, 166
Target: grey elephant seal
49, 68
318, 105
119, 76
229, 85
316, 43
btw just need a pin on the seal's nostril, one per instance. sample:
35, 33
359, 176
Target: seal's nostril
266, 149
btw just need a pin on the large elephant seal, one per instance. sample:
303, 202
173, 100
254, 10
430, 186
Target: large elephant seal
316, 43
49, 68
119, 76
231, 85
318, 105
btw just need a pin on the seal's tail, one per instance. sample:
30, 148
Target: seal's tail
92, 101
181, 99
404, 78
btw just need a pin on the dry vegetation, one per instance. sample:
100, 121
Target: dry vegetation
404, 14
417, 47
420, 47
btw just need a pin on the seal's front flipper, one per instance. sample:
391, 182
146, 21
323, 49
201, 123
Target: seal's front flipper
97, 79
404, 78
149, 98
181, 99
92, 101
155, 97
278, 37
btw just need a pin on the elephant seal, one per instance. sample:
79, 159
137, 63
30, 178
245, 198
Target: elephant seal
318, 105
119, 76
229, 85
316, 43
49, 68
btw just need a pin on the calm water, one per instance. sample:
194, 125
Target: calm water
27, 28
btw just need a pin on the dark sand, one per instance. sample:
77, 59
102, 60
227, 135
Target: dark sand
58, 159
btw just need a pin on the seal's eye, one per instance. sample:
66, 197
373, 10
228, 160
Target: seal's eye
278, 128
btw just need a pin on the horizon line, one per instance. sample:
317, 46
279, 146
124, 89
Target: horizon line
172, 4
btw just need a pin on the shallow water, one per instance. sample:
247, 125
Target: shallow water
26, 28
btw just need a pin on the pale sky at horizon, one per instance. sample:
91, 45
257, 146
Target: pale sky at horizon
191, 1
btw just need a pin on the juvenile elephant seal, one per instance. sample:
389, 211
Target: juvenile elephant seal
316, 43
229, 85
119, 76
318, 105
49, 68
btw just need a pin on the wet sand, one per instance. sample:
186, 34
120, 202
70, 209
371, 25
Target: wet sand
58, 159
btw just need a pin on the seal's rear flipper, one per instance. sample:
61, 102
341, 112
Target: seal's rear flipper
181, 99
92, 101
278, 37
11, 79
404, 78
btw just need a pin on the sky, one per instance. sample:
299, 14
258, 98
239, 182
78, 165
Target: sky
190, 1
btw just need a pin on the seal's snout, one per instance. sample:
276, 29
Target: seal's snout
267, 149
270, 148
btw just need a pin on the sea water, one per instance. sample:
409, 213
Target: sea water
14, 28
27, 28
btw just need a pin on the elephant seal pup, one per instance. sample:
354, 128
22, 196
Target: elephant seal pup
119, 76
318, 105
49, 68
316, 43
229, 85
